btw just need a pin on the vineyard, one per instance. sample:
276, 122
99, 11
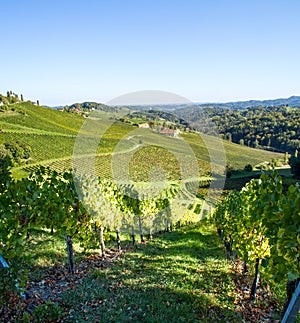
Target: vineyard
44, 211
25, 114
238, 156
81, 208
82, 188
260, 225
52, 134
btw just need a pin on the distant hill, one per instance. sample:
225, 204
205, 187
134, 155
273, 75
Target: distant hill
268, 127
155, 107
94, 106
293, 101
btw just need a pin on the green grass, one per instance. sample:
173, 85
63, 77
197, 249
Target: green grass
43, 250
179, 277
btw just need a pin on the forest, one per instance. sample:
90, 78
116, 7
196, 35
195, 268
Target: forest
270, 128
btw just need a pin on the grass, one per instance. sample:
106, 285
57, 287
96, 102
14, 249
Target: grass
179, 277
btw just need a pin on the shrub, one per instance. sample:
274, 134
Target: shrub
248, 168
294, 162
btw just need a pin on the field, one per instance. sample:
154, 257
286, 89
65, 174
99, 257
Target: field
53, 135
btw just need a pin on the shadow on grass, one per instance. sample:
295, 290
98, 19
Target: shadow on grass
111, 301
181, 276
177, 278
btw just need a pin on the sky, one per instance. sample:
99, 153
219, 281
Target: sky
65, 51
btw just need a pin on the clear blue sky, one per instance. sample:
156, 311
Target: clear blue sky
66, 51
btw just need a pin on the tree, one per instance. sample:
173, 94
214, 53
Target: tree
256, 143
229, 136
248, 168
294, 162
16, 151
286, 158
5, 163
228, 171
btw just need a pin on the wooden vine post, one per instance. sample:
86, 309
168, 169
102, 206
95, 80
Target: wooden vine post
70, 253
4, 264
291, 312
118, 239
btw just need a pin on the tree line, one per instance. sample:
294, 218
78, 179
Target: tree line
271, 128
11, 98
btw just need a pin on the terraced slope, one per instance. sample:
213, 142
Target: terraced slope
52, 134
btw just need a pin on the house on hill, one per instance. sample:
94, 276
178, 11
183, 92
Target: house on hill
75, 109
144, 125
170, 132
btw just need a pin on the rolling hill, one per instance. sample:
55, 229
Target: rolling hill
52, 134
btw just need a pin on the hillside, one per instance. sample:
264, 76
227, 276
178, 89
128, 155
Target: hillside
51, 136
271, 128
93, 106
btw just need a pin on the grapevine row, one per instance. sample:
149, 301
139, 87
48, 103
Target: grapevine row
80, 207
260, 224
